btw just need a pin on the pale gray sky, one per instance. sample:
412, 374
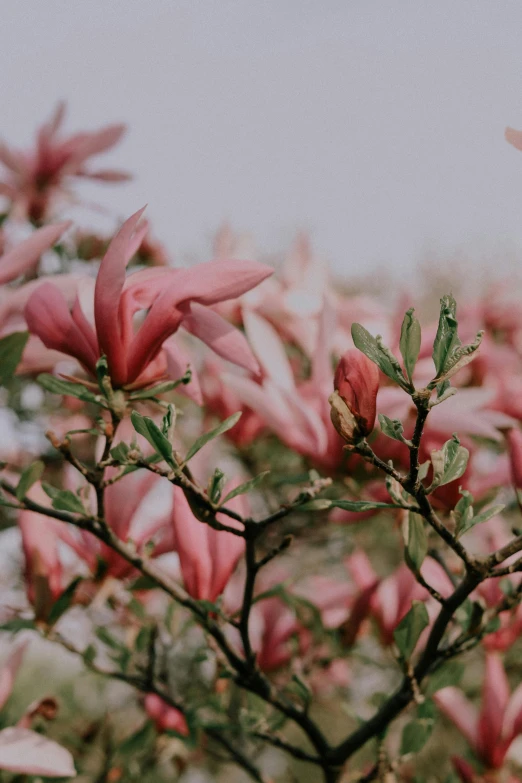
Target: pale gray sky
377, 125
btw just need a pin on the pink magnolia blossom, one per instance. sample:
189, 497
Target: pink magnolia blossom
391, 599
34, 180
23, 257
44, 575
127, 504
207, 556
356, 383
24, 751
165, 717
173, 298
27, 752
490, 730
297, 412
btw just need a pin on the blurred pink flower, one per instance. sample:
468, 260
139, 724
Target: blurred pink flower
165, 717
491, 730
172, 298
391, 599
34, 180
207, 556
44, 577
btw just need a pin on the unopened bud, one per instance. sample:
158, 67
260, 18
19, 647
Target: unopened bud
353, 403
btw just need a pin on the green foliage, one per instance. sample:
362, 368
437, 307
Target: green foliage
373, 348
62, 604
449, 673
416, 543
59, 386
416, 734
407, 633
29, 477
410, 341
208, 436
248, 486
391, 427
449, 355
11, 350
152, 433
449, 463
64, 500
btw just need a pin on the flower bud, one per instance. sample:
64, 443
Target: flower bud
353, 403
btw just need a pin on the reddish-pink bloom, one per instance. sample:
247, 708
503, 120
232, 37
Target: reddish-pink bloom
44, 576
207, 556
34, 179
172, 298
24, 256
165, 717
354, 401
123, 506
491, 730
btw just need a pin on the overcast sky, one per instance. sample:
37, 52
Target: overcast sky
376, 125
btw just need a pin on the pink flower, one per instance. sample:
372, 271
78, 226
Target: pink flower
24, 256
35, 179
126, 506
391, 598
44, 576
207, 556
172, 298
297, 413
491, 730
165, 717
354, 401
22, 750
29, 753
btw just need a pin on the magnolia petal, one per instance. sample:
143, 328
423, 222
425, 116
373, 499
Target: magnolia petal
9, 670
223, 338
48, 316
107, 293
269, 349
29, 753
27, 254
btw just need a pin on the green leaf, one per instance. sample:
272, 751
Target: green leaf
417, 733
11, 350
215, 486
152, 433
29, 477
138, 742
447, 337
208, 436
391, 427
17, 624
464, 516
410, 341
488, 513
417, 543
448, 674
161, 388
103, 376
59, 386
449, 355
64, 500
89, 654
449, 463
107, 638
373, 348
64, 601
120, 452
463, 513
248, 486
407, 633
317, 504
360, 505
